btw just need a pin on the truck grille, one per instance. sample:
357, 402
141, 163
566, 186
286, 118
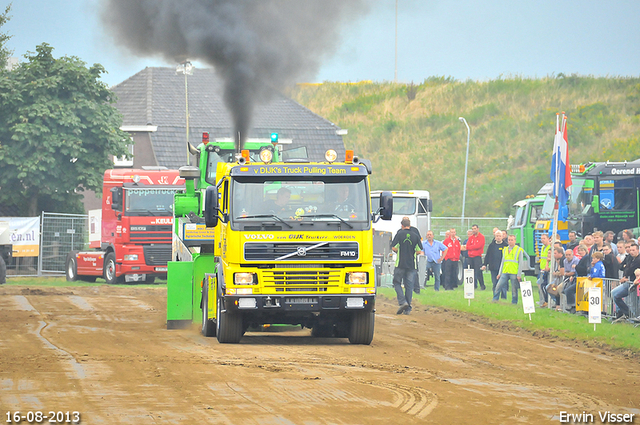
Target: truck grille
302, 251
157, 255
301, 280
149, 233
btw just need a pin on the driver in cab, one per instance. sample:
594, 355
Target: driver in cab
342, 202
281, 204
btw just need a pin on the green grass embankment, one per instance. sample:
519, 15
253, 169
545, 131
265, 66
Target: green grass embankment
413, 137
544, 321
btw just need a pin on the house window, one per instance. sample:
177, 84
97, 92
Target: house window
123, 161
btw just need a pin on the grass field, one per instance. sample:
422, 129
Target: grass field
62, 282
546, 321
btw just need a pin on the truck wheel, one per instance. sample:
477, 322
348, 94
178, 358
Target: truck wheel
110, 269
228, 325
72, 267
3, 270
150, 279
362, 323
208, 325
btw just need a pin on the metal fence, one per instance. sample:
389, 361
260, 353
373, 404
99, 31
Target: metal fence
59, 235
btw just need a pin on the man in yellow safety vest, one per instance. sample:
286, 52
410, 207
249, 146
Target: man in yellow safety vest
543, 277
510, 270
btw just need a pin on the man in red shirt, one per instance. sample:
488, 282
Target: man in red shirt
451, 260
475, 248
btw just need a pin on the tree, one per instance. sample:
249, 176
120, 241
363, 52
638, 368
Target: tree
59, 128
4, 37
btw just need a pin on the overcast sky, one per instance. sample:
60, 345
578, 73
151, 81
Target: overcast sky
464, 39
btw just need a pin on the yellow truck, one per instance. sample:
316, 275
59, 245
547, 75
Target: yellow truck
291, 244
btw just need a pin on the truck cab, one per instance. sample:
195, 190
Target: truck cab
136, 227
523, 224
292, 244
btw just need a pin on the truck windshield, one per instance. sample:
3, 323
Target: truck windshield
401, 205
580, 195
520, 216
157, 202
227, 156
304, 202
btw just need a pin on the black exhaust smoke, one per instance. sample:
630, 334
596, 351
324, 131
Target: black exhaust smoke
258, 47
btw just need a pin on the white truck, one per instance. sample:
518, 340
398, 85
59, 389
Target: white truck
415, 204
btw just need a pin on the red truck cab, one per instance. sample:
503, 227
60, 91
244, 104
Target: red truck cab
136, 228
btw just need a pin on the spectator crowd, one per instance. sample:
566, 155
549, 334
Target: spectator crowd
597, 255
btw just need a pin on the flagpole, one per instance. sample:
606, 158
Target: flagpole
554, 224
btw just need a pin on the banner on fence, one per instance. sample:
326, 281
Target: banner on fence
582, 291
23, 233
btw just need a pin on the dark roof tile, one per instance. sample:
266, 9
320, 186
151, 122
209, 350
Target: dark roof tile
155, 96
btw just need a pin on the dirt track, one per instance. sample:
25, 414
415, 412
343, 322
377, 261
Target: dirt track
105, 352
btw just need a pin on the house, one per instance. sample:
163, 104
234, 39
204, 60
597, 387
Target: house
153, 105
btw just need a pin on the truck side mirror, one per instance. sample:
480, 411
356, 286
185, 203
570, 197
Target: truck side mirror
116, 198
429, 205
211, 206
386, 205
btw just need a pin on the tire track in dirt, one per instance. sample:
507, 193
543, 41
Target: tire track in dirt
76, 367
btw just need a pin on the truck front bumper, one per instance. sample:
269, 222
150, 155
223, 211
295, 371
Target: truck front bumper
300, 303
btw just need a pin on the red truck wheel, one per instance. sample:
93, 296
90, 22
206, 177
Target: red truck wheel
110, 269
71, 267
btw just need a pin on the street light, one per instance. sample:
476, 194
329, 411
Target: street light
186, 68
466, 163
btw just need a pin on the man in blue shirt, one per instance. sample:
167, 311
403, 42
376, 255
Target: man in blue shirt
434, 251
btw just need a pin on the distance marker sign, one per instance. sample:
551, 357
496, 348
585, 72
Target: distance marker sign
528, 303
469, 279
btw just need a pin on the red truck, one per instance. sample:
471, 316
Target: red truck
132, 239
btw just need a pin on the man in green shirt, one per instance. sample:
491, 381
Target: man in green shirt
406, 244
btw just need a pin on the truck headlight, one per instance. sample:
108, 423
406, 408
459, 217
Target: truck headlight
245, 278
131, 257
357, 278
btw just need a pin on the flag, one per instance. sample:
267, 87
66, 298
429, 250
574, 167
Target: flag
560, 169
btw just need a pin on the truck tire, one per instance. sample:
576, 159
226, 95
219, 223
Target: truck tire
3, 271
149, 279
208, 325
109, 272
228, 325
362, 324
71, 267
